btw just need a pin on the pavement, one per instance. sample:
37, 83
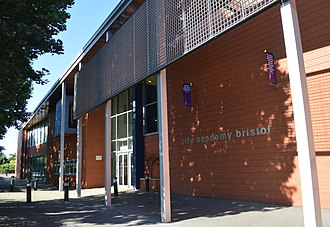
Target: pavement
134, 208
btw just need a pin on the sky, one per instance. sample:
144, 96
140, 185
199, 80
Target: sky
86, 17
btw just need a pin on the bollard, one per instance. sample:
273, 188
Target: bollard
28, 192
147, 183
66, 191
115, 186
35, 184
12, 183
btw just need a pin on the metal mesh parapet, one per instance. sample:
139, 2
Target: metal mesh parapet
158, 33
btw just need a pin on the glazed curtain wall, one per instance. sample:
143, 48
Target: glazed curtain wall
156, 35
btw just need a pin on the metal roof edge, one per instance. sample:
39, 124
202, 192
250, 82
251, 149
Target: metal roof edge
90, 43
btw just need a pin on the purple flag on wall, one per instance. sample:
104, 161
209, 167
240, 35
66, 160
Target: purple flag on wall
270, 58
186, 88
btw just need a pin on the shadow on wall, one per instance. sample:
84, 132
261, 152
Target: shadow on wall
238, 139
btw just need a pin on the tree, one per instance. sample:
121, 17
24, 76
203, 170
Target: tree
27, 30
3, 158
12, 157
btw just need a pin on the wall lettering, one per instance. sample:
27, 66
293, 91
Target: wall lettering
227, 136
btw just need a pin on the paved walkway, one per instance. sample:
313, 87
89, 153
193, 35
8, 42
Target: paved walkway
132, 208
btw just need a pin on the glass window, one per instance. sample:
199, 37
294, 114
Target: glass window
151, 93
123, 102
113, 146
121, 121
130, 124
151, 118
113, 128
114, 106
150, 105
71, 122
46, 132
122, 126
122, 145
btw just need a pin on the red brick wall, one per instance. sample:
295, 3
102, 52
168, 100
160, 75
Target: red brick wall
230, 93
39, 149
93, 144
151, 156
315, 23
53, 149
151, 162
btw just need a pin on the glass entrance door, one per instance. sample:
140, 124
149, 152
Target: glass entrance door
124, 168
122, 165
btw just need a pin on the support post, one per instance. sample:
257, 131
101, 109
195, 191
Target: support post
302, 116
165, 192
63, 103
18, 166
108, 152
138, 136
79, 157
79, 138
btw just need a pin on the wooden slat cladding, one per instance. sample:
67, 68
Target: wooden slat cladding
232, 101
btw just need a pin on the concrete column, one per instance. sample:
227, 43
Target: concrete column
302, 116
20, 139
63, 103
108, 152
79, 138
138, 136
79, 157
165, 192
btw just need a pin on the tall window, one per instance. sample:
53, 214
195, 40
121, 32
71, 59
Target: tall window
121, 121
150, 105
38, 164
37, 134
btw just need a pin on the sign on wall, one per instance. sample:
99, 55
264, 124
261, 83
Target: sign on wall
270, 59
186, 88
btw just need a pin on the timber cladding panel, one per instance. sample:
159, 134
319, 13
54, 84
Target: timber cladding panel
238, 140
93, 145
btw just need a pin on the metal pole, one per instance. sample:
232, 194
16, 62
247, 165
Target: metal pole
63, 103
108, 152
165, 192
79, 157
302, 116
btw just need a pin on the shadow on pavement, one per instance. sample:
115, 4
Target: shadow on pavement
130, 209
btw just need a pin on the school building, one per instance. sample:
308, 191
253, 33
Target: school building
225, 99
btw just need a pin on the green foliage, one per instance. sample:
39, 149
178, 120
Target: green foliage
7, 168
7, 165
12, 157
27, 30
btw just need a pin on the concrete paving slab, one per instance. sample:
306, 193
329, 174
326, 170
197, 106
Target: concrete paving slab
133, 208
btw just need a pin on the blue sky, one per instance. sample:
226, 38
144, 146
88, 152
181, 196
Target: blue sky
86, 17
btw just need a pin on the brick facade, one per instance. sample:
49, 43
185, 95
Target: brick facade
215, 149
93, 145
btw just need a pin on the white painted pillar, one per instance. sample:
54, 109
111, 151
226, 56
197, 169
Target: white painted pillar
302, 116
79, 157
79, 138
165, 192
63, 103
108, 152
20, 138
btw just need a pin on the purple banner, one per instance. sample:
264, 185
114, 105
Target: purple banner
270, 58
186, 88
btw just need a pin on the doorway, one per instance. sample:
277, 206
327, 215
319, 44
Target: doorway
124, 168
